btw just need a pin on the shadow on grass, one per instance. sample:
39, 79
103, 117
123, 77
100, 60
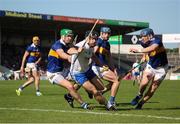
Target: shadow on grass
102, 107
129, 104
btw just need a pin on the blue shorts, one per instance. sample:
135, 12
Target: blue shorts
136, 73
83, 77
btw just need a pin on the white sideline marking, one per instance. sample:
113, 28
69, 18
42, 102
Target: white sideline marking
90, 112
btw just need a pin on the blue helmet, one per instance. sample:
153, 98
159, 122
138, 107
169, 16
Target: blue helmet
146, 31
105, 30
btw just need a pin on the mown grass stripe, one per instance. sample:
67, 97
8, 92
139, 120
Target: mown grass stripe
91, 112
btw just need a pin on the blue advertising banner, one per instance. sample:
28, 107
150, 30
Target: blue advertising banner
25, 15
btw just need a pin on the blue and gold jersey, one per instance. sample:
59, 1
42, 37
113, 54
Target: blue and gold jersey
158, 57
34, 53
55, 63
103, 51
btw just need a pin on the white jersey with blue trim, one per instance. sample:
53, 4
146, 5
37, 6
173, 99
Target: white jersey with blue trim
81, 63
136, 67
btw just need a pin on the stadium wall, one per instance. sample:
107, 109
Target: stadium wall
124, 48
175, 76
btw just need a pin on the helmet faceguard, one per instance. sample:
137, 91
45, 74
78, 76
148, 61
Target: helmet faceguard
92, 34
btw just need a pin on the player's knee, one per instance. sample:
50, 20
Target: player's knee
153, 89
37, 78
70, 88
114, 77
93, 91
144, 82
31, 79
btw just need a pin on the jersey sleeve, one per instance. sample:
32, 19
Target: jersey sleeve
157, 41
98, 42
29, 49
57, 46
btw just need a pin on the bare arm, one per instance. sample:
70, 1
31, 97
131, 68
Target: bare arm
145, 50
63, 55
150, 48
74, 50
96, 49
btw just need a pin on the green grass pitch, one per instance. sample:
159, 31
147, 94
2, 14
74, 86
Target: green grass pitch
164, 107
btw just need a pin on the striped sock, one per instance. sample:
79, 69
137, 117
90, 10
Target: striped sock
84, 105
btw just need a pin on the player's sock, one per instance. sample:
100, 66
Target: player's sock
136, 100
69, 95
112, 99
140, 94
86, 106
21, 88
140, 104
24, 86
69, 99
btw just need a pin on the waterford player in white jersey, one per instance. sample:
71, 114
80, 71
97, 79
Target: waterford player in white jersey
82, 72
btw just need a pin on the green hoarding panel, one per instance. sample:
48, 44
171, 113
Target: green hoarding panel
115, 39
127, 23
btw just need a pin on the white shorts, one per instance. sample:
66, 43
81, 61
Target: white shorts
158, 74
98, 71
58, 76
31, 67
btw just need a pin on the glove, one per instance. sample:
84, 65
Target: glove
105, 68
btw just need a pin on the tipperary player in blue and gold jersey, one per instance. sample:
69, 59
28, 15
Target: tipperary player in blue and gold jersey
156, 67
57, 58
32, 57
102, 51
